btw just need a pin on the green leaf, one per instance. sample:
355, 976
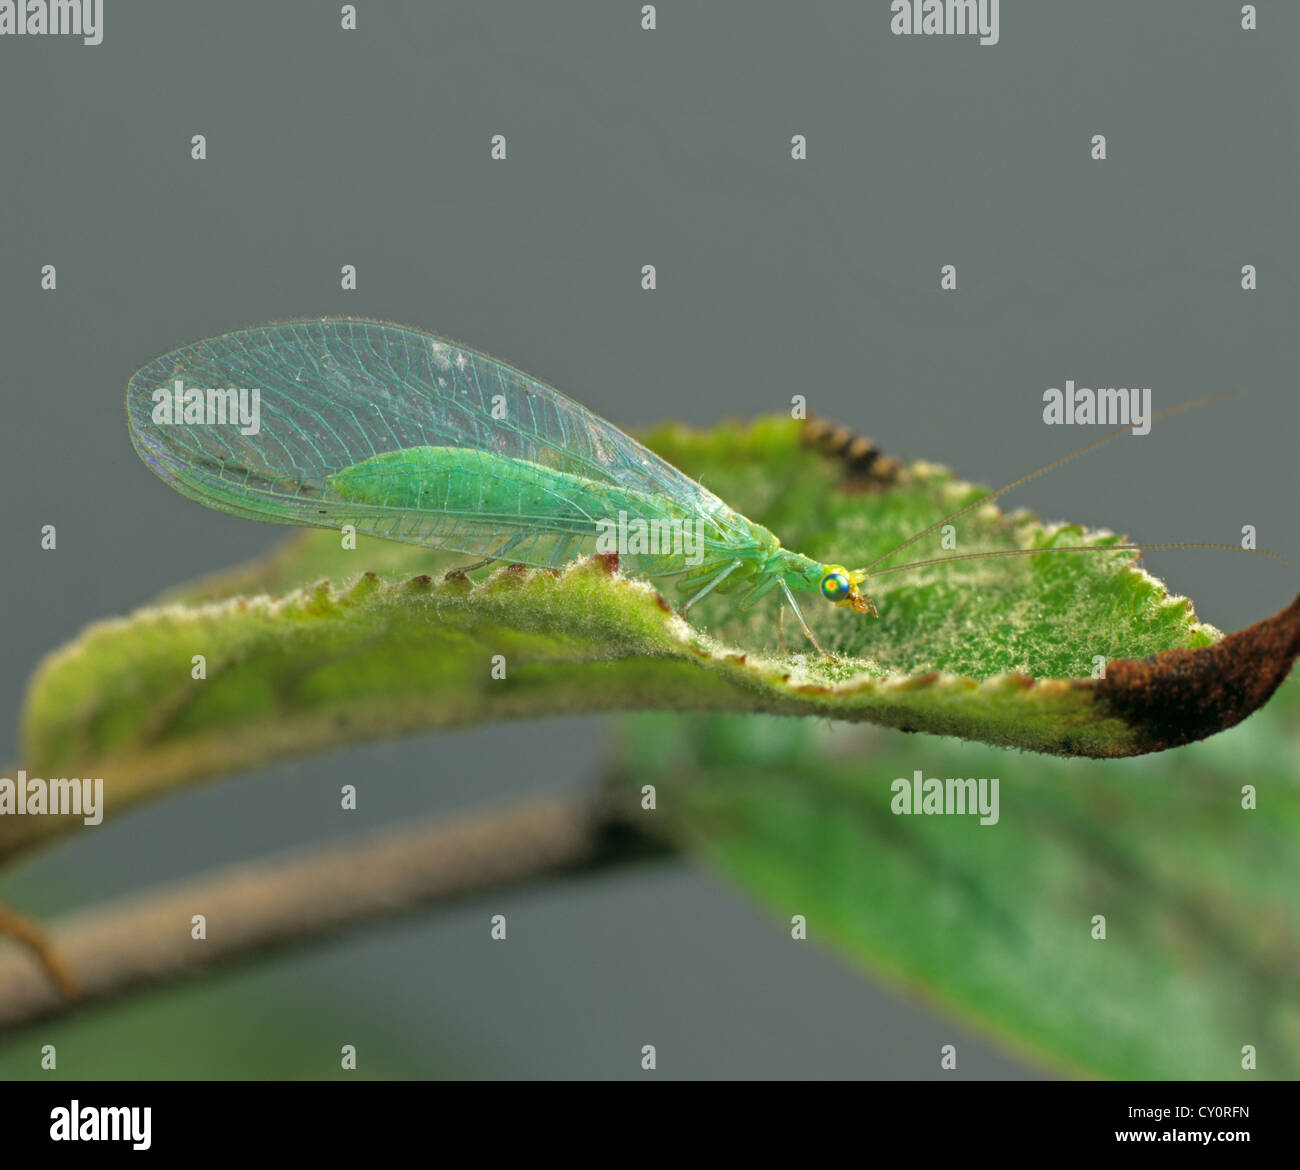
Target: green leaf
995, 923
316, 645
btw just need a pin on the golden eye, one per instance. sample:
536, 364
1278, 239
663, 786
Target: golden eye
835, 584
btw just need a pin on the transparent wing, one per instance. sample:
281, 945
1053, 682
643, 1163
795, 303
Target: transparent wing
335, 392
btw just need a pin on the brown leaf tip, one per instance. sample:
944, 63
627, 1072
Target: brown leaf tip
1180, 696
607, 561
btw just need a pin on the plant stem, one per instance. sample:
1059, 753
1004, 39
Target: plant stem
147, 940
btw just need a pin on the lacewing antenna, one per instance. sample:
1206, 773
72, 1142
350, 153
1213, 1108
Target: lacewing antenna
1055, 463
1093, 548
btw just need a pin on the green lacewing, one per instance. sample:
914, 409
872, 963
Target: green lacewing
411, 437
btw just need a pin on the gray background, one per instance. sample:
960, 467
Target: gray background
775, 278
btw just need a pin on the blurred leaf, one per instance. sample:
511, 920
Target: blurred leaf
994, 922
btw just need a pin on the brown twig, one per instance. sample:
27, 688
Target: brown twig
34, 937
147, 940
